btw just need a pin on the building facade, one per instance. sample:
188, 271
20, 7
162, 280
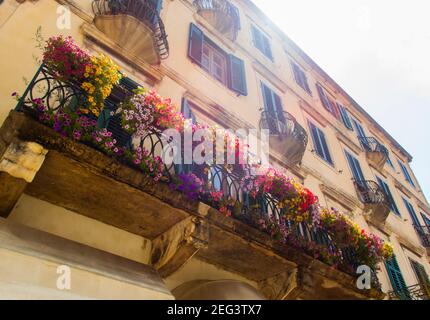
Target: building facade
221, 62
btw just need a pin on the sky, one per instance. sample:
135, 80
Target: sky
378, 51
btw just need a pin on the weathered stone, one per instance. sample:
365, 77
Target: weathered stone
23, 160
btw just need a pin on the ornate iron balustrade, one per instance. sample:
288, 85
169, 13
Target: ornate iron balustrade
370, 144
228, 15
143, 10
294, 137
371, 193
424, 234
58, 95
415, 292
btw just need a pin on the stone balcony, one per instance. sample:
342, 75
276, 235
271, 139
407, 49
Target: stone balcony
135, 26
287, 136
375, 200
376, 153
221, 14
77, 177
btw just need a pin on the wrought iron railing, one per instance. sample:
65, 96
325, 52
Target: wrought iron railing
371, 193
224, 8
143, 10
284, 124
59, 95
415, 292
424, 234
370, 144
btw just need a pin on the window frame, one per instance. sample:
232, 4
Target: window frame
267, 51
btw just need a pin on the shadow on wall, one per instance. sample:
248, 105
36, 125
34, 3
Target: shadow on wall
216, 290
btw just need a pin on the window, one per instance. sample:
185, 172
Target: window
359, 128
320, 143
214, 62
406, 174
227, 68
273, 107
389, 162
396, 278
387, 190
187, 110
345, 116
412, 213
261, 42
355, 167
300, 77
422, 277
426, 220
328, 103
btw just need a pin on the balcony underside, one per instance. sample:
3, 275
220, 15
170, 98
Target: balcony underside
377, 212
376, 158
130, 34
81, 179
288, 147
223, 23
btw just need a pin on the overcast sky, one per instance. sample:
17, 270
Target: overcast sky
379, 52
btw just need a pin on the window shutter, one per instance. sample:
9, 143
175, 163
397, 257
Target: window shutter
422, 276
426, 220
327, 155
387, 190
396, 277
195, 50
345, 116
187, 112
237, 79
412, 213
236, 13
279, 108
355, 167
324, 99
266, 47
256, 37
316, 139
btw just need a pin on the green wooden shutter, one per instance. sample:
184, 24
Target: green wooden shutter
237, 76
195, 49
387, 190
396, 278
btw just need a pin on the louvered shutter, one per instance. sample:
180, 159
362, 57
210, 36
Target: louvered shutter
195, 50
316, 140
237, 76
396, 278
412, 213
345, 117
266, 47
387, 190
279, 108
323, 140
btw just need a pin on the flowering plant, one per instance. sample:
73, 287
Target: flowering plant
148, 112
95, 74
369, 248
65, 58
77, 126
189, 184
298, 202
100, 76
